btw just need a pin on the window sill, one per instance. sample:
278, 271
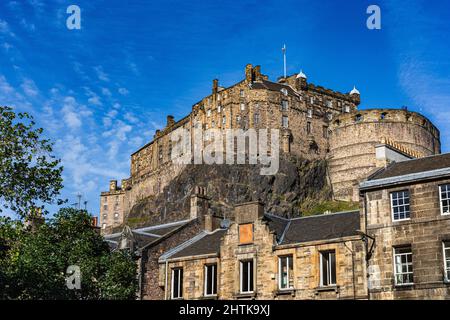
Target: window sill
285, 292
212, 297
334, 288
401, 287
249, 295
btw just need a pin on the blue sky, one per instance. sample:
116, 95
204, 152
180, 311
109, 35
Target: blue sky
102, 91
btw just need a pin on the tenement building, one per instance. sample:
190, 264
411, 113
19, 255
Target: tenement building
314, 123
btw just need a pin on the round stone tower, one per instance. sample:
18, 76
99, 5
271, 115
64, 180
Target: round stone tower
364, 140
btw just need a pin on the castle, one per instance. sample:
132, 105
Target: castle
314, 123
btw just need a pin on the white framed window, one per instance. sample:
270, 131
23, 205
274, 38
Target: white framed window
224, 120
210, 280
219, 108
346, 108
328, 268
284, 105
208, 113
242, 93
285, 273
104, 226
177, 283
246, 276
444, 198
285, 122
403, 266
311, 100
284, 91
256, 118
400, 205
446, 255
309, 113
242, 106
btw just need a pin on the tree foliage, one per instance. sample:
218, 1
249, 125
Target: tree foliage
33, 264
30, 176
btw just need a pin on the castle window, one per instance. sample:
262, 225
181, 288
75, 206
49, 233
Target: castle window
308, 127
241, 93
358, 118
285, 122
246, 276
346, 108
105, 216
311, 100
105, 207
213, 124
446, 251
242, 106
284, 91
256, 118
329, 103
208, 113
339, 104
400, 205
403, 266
104, 226
309, 113
325, 132
383, 116
210, 280
116, 215
284, 105
160, 151
238, 118
177, 283
256, 106
224, 120
285, 273
105, 200
327, 268
219, 108
444, 196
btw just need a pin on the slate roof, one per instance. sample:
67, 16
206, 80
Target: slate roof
321, 227
208, 244
273, 86
146, 236
287, 231
413, 166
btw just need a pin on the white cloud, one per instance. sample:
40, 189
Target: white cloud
5, 29
29, 88
106, 92
123, 91
101, 74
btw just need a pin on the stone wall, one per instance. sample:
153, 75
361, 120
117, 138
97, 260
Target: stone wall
424, 232
354, 137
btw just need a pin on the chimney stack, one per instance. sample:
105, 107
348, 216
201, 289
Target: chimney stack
199, 203
248, 212
170, 121
248, 73
112, 185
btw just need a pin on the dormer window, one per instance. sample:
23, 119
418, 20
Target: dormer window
284, 91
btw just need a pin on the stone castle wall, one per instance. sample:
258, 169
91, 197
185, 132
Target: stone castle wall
355, 135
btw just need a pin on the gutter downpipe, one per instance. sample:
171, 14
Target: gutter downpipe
166, 281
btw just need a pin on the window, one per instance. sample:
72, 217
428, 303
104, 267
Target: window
308, 127
285, 273
105, 200
358, 118
444, 196
105, 207
219, 109
238, 118
327, 268
311, 100
325, 132
177, 283
284, 91
116, 215
256, 106
224, 120
329, 103
210, 280
400, 205
104, 226
309, 113
256, 118
208, 113
241, 93
213, 124
446, 248
346, 108
242, 106
285, 122
246, 276
403, 266
284, 105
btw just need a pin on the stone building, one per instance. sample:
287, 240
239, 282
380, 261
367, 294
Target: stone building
261, 256
406, 208
314, 123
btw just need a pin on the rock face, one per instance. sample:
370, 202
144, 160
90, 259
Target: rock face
299, 183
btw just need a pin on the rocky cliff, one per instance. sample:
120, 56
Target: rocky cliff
298, 186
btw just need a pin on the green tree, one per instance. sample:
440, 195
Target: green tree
34, 263
30, 175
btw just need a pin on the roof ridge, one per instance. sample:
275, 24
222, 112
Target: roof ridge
326, 214
182, 246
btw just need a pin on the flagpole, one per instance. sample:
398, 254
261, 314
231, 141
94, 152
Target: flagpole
284, 59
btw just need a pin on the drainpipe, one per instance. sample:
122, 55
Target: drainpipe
166, 281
